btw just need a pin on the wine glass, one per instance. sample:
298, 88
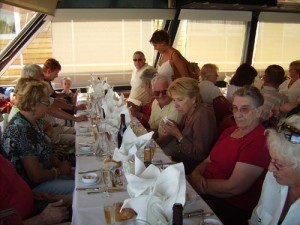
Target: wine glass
106, 175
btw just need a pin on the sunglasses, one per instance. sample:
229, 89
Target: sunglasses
162, 92
292, 134
243, 110
139, 60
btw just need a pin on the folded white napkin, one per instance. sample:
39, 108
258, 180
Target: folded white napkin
131, 145
153, 193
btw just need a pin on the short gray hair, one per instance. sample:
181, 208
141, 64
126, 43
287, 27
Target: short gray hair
148, 75
32, 70
278, 143
208, 70
161, 79
252, 92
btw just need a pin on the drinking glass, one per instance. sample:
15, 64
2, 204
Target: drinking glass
106, 175
110, 214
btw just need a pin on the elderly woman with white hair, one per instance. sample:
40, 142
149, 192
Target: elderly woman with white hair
208, 90
280, 198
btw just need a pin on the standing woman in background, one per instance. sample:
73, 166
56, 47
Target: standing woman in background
291, 87
171, 62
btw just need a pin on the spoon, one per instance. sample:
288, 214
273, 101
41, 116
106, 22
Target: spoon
118, 174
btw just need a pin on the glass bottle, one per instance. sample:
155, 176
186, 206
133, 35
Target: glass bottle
177, 214
121, 130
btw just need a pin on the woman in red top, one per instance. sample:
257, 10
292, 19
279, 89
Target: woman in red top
230, 179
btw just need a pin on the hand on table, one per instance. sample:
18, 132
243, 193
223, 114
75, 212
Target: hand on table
55, 213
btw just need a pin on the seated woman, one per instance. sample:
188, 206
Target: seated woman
15, 193
230, 179
197, 130
244, 75
280, 198
26, 145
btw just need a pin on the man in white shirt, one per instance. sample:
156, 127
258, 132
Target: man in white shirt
138, 96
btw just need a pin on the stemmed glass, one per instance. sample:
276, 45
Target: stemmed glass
106, 175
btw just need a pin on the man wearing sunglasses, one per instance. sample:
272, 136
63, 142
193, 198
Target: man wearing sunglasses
163, 111
138, 96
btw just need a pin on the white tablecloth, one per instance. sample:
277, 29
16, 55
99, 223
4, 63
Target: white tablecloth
88, 209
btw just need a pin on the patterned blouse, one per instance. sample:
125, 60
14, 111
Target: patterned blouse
22, 139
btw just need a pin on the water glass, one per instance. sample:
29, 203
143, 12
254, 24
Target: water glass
107, 176
110, 213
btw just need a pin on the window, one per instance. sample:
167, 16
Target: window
213, 41
277, 43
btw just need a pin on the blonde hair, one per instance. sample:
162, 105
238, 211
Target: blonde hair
30, 92
186, 86
64, 79
33, 71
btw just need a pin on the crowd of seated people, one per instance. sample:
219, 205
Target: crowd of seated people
27, 146
226, 168
237, 162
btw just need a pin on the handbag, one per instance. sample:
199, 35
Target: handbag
192, 68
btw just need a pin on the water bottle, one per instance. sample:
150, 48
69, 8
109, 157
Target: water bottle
121, 130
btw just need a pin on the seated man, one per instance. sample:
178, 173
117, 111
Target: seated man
163, 107
15, 193
143, 113
138, 96
274, 76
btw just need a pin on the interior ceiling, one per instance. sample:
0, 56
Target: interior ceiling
267, 5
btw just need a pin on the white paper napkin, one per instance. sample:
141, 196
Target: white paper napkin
131, 145
153, 193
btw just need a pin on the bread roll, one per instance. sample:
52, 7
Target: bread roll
125, 214
109, 163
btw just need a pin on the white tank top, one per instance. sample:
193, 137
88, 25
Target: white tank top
165, 69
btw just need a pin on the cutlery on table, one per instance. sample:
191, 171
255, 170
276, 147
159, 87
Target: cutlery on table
89, 171
86, 154
100, 189
196, 213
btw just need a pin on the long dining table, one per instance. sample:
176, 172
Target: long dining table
89, 208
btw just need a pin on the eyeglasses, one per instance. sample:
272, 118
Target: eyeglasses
46, 103
139, 60
279, 166
243, 110
292, 134
162, 92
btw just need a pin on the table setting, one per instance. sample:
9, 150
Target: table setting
133, 184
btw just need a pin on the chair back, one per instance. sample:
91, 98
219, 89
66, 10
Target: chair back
222, 108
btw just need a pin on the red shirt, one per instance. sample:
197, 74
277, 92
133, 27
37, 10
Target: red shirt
250, 149
14, 192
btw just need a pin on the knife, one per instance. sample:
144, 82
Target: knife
89, 171
197, 213
99, 189
86, 154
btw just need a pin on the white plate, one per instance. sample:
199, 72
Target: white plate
97, 182
88, 149
212, 221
